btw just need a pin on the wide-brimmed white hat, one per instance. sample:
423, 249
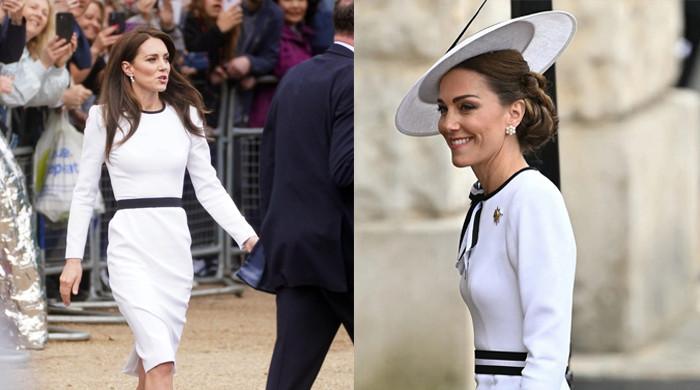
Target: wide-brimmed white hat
540, 37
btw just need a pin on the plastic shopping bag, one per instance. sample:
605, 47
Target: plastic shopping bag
56, 167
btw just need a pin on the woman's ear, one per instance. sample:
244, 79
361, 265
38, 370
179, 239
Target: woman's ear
516, 111
127, 68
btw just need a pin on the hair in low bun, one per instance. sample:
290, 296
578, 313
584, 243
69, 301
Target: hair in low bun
540, 121
510, 78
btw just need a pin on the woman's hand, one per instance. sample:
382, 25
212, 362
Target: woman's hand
249, 244
71, 49
248, 83
14, 10
167, 17
218, 76
70, 279
238, 67
229, 19
104, 40
58, 51
56, 48
6, 84
75, 96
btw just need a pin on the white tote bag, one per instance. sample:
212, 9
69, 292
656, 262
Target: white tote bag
56, 167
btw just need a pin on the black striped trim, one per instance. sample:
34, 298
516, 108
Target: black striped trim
501, 355
139, 203
498, 370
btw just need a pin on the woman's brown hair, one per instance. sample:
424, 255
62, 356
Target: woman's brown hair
118, 98
509, 76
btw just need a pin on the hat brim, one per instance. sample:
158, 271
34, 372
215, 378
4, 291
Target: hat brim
540, 38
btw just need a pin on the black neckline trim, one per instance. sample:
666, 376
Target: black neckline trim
488, 196
154, 112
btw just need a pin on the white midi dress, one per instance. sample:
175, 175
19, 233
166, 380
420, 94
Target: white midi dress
148, 256
517, 278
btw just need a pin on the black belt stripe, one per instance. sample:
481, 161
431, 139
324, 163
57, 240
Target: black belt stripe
498, 370
139, 203
501, 355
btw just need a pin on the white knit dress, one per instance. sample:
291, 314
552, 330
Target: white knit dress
518, 280
148, 256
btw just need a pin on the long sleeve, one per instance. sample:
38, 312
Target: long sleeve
34, 85
27, 82
13, 41
542, 236
54, 83
342, 152
210, 193
85, 192
264, 56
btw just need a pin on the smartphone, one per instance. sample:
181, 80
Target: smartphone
118, 18
230, 3
64, 25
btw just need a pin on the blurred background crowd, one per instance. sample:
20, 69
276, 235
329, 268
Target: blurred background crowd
246, 44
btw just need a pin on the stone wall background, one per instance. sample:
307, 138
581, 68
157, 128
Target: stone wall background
629, 160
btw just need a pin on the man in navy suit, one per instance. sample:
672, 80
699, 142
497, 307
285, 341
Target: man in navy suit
306, 177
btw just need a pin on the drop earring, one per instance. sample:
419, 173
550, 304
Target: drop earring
510, 130
131, 77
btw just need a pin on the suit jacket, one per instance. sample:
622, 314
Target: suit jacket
306, 176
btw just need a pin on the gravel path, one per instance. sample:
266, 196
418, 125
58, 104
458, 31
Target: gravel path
227, 344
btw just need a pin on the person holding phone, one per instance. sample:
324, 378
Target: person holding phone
211, 34
100, 39
40, 75
148, 130
159, 15
81, 56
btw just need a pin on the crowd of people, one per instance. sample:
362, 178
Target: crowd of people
244, 44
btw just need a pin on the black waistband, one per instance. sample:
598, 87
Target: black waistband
499, 355
140, 203
497, 370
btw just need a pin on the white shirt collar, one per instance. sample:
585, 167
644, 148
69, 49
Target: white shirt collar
352, 48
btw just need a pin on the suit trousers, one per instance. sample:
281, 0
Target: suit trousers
308, 319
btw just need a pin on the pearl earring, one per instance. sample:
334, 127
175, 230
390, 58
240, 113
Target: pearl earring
131, 77
510, 130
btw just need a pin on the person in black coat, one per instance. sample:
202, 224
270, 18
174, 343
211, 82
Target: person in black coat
307, 158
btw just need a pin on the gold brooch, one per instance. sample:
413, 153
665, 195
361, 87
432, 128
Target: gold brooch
497, 214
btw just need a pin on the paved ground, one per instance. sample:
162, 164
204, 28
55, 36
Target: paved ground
227, 344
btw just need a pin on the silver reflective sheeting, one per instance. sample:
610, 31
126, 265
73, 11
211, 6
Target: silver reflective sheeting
20, 286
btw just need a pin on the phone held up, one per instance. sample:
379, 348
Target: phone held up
118, 18
64, 25
230, 3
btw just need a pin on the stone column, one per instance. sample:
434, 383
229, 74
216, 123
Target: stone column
629, 159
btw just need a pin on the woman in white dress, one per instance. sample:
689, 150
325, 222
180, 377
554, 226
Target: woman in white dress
517, 252
147, 131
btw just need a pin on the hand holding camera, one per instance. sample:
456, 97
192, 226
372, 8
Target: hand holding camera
229, 18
